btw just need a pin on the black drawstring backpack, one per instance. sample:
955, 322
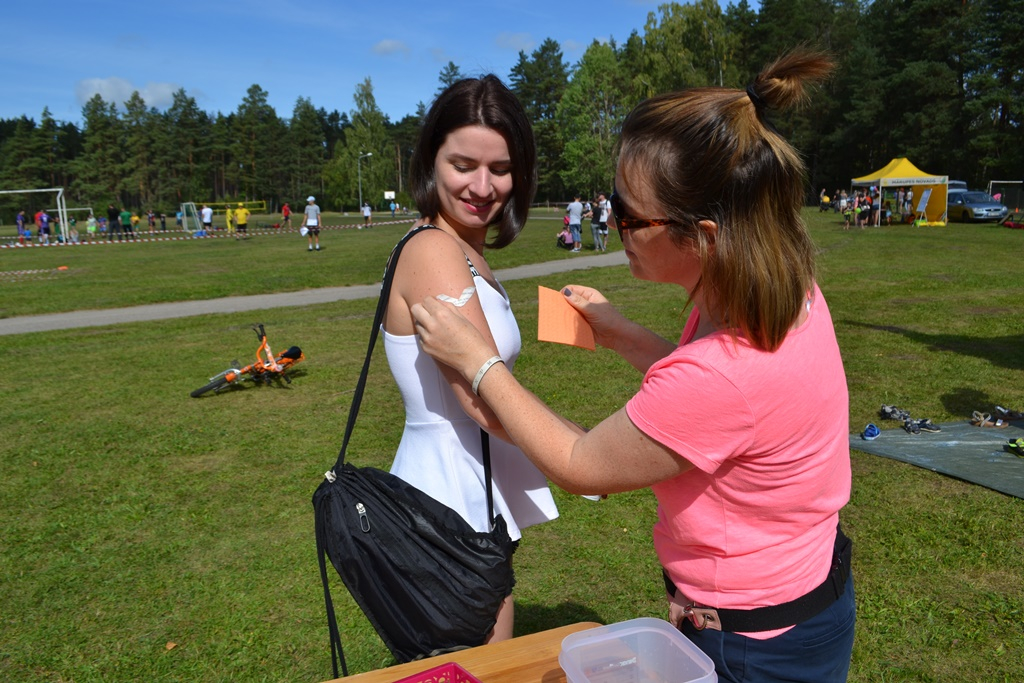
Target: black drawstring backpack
426, 580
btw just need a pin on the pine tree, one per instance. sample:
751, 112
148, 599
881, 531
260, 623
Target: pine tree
100, 166
257, 132
140, 173
405, 134
184, 150
367, 135
539, 82
305, 153
20, 168
22, 161
449, 74
590, 115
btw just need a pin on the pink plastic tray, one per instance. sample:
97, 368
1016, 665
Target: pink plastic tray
446, 673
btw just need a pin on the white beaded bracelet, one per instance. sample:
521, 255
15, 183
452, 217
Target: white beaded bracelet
483, 371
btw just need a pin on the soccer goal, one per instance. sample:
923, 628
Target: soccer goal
1011, 193
254, 207
61, 210
190, 216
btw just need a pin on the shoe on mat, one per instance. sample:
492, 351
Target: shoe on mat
893, 413
926, 425
911, 426
1016, 446
870, 432
1008, 414
986, 420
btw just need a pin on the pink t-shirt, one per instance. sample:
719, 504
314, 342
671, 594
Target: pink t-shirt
768, 434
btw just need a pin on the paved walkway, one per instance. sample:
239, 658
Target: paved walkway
236, 304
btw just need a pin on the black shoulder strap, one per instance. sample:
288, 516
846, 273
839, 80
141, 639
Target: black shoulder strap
378, 320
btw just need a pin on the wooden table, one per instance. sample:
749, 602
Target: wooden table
526, 659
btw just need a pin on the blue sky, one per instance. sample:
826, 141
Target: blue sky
58, 53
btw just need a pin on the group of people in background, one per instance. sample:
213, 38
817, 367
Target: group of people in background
237, 220
597, 211
868, 206
119, 221
41, 220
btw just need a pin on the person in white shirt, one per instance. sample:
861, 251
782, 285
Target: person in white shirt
601, 211
207, 214
312, 223
575, 211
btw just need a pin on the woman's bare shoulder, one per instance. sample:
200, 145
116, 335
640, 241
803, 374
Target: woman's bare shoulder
434, 260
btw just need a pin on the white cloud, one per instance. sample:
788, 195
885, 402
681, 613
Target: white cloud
518, 42
110, 89
391, 47
118, 90
574, 46
159, 95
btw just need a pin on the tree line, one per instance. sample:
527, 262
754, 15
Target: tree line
937, 81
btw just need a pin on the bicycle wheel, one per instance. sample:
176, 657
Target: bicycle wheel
215, 385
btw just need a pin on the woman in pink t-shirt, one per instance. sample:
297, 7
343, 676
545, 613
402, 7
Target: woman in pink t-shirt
741, 429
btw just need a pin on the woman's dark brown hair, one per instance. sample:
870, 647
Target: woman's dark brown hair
484, 101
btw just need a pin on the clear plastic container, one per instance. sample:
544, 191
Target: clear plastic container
642, 650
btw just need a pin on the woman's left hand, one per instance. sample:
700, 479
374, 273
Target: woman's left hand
448, 337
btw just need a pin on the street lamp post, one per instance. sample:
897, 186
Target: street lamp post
359, 172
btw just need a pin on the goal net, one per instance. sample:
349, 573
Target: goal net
61, 210
190, 219
1011, 193
254, 207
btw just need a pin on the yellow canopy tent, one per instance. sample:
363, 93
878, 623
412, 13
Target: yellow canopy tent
901, 173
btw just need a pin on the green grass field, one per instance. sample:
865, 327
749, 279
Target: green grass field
150, 536
110, 275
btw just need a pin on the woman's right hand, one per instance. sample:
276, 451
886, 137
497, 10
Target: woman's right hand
448, 337
606, 322
612, 330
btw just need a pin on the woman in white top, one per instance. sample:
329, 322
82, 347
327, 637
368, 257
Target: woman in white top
473, 169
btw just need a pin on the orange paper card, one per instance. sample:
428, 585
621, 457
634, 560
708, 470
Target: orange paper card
559, 322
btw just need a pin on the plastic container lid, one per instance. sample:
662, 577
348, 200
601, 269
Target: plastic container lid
641, 650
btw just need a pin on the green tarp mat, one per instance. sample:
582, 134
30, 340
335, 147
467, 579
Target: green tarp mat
960, 450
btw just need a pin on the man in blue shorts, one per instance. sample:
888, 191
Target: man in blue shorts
575, 211
44, 227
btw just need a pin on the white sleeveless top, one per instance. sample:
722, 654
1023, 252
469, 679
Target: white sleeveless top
440, 451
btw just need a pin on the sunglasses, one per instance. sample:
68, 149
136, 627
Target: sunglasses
623, 221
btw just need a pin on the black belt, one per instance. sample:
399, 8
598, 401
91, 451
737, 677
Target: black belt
788, 613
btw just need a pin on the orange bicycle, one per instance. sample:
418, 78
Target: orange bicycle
261, 372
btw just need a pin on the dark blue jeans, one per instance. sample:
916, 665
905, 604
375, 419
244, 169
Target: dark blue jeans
815, 651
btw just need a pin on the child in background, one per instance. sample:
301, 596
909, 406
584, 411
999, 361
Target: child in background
565, 238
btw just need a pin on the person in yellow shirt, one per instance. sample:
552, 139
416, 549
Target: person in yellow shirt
229, 217
242, 219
